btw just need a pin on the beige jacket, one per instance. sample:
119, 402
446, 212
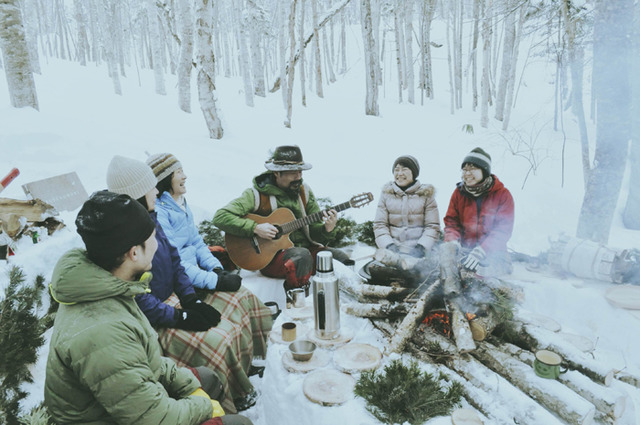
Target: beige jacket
407, 218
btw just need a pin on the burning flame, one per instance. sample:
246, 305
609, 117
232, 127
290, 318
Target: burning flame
438, 320
470, 316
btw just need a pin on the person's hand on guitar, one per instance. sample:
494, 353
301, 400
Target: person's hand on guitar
330, 219
266, 231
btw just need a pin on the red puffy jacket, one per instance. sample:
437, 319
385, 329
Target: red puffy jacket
486, 221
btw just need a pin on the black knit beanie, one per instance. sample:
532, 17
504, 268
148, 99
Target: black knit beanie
110, 224
480, 159
409, 162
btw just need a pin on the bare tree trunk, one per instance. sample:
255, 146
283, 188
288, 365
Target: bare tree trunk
474, 54
410, 80
631, 214
371, 59
292, 37
328, 62
398, 16
245, 64
507, 58
255, 13
612, 48
184, 18
155, 29
15, 53
30, 21
343, 43
426, 71
485, 7
509, 104
205, 66
316, 47
82, 45
303, 80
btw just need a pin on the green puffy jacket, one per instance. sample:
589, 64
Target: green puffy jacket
105, 365
230, 217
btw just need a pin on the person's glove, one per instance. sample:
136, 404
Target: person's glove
217, 409
192, 320
393, 247
417, 251
207, 311
227, 282
474, 258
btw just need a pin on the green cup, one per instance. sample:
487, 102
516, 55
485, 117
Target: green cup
547, 364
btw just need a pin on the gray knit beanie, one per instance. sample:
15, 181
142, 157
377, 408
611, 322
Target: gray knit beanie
481, 159
130, 177
163, 164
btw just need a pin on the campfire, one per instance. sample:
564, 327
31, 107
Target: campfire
439, 321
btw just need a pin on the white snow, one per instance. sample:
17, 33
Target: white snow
82, 125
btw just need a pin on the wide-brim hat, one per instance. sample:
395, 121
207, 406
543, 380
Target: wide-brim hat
287, 158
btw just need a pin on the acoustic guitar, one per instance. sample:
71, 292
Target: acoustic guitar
256, 253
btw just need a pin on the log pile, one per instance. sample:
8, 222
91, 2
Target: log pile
492, 366
26, 218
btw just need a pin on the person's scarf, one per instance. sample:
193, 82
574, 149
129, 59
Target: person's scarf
479, 189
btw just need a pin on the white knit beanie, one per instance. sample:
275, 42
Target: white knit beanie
130, 177
163, 164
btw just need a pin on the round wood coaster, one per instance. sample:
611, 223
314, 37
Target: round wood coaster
543, 321
345, 336
582, 343
302, 313
354, 357
465, 417
276, 333
320, 358
624, 296
328, 387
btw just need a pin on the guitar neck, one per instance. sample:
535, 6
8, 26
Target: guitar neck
294, 225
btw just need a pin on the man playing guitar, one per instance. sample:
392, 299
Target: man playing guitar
251, 222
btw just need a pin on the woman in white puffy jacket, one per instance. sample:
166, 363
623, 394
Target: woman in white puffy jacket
407, 219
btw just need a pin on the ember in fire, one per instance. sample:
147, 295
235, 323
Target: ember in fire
439, 321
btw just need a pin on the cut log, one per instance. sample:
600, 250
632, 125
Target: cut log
628, 378
460, 328
394, 259
543, 339
568, 405
377, 310
449, 271
32, 210
410, 321
11, 224
609, 402
365, 292
482, 388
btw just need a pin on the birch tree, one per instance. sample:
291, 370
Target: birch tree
398, 18
631, 214
511, 80
426, 69
485, 90
507, 58
303, 90
15, 54
256, 24
292, 53
612, 49
155, 40
370, 59
245, 63
316, 48
184, 20
205, 66
82, 42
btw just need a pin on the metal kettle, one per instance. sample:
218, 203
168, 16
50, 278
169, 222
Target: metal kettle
326, 301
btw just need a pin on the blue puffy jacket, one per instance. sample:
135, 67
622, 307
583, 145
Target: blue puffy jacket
168, 277
178, 225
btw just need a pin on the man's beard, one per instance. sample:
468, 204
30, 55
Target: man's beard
294, 187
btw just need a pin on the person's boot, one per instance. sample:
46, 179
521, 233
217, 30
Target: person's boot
243, 403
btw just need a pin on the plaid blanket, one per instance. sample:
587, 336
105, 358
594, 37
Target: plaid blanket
227, 348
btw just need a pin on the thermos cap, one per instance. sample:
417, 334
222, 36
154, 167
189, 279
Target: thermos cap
324, 262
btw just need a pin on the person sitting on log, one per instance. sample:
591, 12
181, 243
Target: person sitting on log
407, 220
244, 316
281, 186
480, 217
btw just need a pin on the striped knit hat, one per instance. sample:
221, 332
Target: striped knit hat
163, 164
480, 159
130, 177
409, 162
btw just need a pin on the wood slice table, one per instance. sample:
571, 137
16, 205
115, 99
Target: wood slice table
465, 417
624, 296
345, 336
319, 359
302, 313
355, 357
328, 387
276, 333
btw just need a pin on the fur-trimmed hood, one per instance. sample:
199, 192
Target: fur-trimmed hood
417, 188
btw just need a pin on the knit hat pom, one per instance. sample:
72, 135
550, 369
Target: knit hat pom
130, 177
481, 159
410, 162
163, 164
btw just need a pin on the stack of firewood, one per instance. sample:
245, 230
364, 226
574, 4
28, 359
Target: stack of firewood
26, 218
491, 367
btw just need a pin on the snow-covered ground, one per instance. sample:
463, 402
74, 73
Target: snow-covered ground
82, 125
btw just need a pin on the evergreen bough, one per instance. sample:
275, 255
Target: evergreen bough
211, 234
406, 394
20, 337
